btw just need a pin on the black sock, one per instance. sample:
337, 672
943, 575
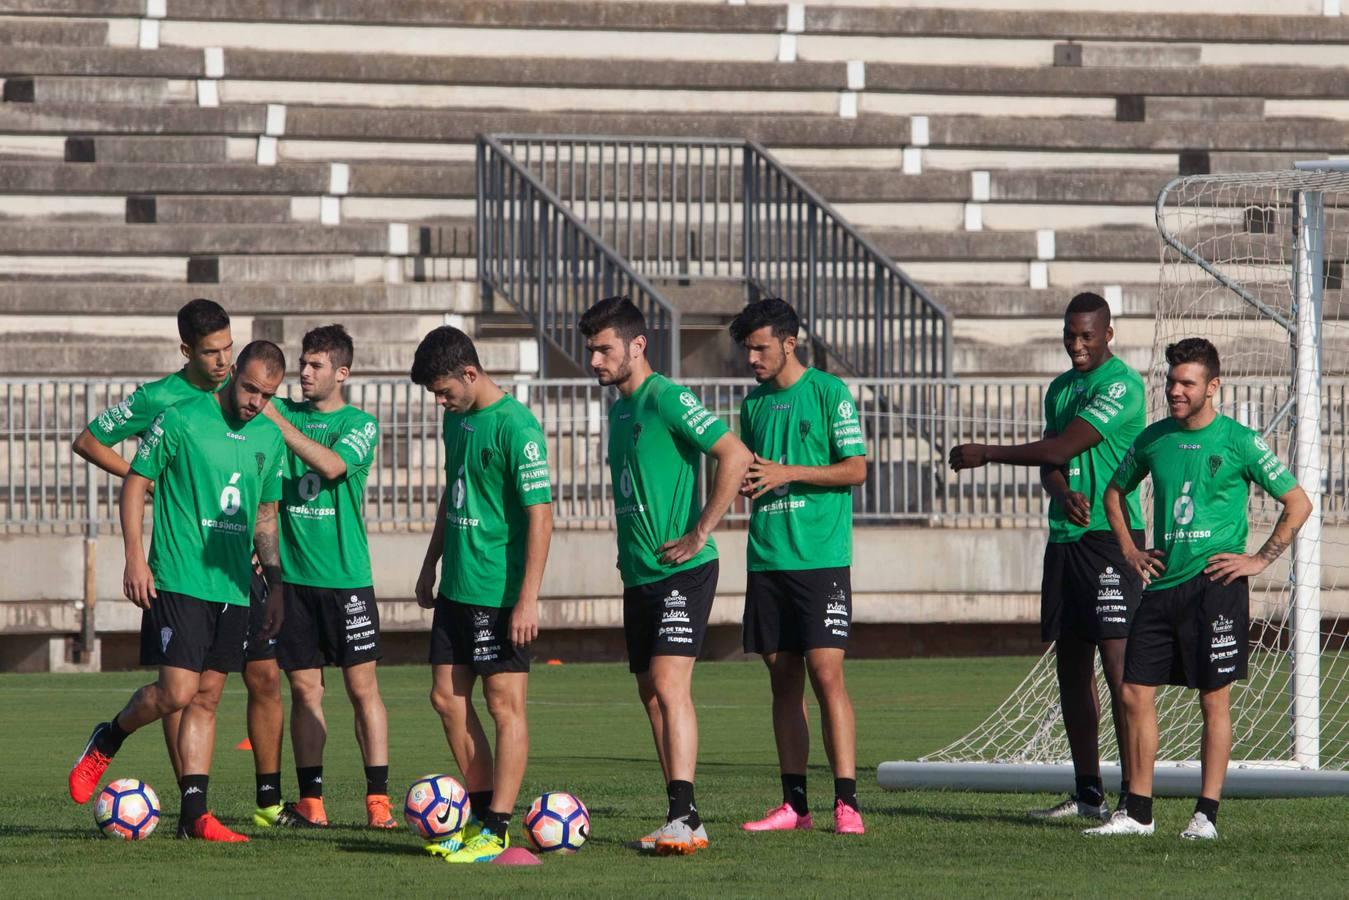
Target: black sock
1123, 789
680, 794
479, 802
794, 793
1090, 790
109, 740
845, 789
496, 822
1207, 807
311, 781
269, 789
193, 806
377, 780
1139, 808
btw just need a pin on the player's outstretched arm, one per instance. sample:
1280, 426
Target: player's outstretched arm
1078, 437
138, 584
538, 536
1228, 567
109, 460
733, 460
426, 581
317, 457
267, 546
1147, 563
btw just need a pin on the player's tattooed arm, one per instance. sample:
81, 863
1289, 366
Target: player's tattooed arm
267, 547
1228, 567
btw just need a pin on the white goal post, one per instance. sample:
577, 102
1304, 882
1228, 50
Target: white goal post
1256, 263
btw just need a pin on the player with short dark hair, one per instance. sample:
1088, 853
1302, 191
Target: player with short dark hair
1088, 595
809, 451
1193, 627
217, 468
493, 526
208, 347
658, 432
331, 614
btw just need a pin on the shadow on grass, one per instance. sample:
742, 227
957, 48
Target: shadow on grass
945, 814
385, 847
48, 831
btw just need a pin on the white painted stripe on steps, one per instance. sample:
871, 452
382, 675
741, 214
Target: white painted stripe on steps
912, 163
847, 104
330, 210
786, 48
156, 9
214, 62
339, 178
1044, 244
208, 92
276, 120
919, 131
981, 186
857, 75
796, 18
148, 38
974, 217
266, 151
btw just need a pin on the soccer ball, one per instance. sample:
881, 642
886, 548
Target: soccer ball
557, 822
436, 805
127, 808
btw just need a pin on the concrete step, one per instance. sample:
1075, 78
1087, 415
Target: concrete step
59, 89
176, 210
1126, 56
319, 299
164, 62
169, 240
17, 32
290, 329
196, 151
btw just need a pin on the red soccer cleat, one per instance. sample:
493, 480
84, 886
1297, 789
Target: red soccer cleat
208, 828
88, 769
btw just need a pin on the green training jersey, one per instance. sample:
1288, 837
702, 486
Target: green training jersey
496, 465
1109, 398
134, 414
323, 542
812, 423
1200, 485
656, 439
210, 474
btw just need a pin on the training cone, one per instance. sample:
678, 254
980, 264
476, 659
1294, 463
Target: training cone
554, 662
245, 744
516, 856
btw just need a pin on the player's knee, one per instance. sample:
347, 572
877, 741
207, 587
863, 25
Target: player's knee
174, 698
504, 706
446, 704
263, 682
1136, 697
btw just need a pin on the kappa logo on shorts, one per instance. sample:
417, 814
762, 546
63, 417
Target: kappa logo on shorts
165, 635
1109, 578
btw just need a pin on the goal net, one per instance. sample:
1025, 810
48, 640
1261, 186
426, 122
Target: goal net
1255, 263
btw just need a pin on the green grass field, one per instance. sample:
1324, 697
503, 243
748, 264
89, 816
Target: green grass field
590, 737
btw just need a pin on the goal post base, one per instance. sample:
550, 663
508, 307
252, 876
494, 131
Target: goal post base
1244, 779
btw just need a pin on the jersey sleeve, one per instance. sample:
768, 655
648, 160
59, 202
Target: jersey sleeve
526, 454
1112, 405
1263, 467
1132, 469
159, 445
845, 425
688, 420
127, 419
357, 445
273, 472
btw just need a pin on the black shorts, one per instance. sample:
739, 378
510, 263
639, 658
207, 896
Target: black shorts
668, 617
328, 627
1196, 635
463, 634
255, 649
1087, 591
187, 633
799, 610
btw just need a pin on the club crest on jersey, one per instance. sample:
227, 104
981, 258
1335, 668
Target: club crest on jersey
370, 429
845, 410
1214, 463
532, 451
804, 429
636, 433
261, 460
486, 457
1117, 390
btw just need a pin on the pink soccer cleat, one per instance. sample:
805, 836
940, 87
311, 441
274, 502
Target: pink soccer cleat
847, 820
784, 818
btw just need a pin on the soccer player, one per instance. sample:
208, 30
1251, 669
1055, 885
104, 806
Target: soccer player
493, 527
216, 466
331, 615
658, 432
803, 429
1192, 628
1088, 595
208, 346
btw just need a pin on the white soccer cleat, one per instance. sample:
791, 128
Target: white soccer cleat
1071, 808
1120, 823
1200, 829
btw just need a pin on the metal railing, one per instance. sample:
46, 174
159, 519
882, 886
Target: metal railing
910, 425
686, 213
535, 251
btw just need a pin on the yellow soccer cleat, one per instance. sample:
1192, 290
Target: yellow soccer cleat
484, 847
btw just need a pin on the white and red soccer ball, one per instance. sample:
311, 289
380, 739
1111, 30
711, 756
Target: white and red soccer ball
557, 822
436, 806
127, 808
